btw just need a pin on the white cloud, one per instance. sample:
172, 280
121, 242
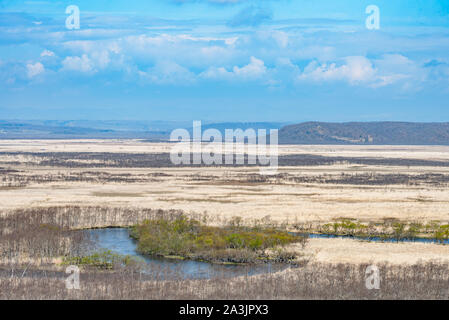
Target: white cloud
89, 46
186, 50
81, 64
356, 69
281, 38
35, 69
216, 73
96, 55
284, 72
101, 58
167, 72
47, 53
224, 57
253, 70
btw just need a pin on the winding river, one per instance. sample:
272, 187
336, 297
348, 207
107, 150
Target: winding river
118, 240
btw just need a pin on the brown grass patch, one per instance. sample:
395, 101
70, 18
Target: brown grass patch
215, 200
117, 194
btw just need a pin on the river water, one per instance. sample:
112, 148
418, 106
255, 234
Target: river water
118, 240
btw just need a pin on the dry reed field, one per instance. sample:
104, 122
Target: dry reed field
313, 281
49, 190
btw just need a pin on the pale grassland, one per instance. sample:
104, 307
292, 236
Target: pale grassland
137, 146
227, 192
353, 251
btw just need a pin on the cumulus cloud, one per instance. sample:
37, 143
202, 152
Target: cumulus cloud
355, 70
35, 69
284, 72
278, 56
281, 38
358, 70
253, 70
395, 67
216, 73
189, 57
190, 51
80, 64
101, 58
167, 72
47, 53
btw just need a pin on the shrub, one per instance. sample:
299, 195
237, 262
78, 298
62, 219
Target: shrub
189, 238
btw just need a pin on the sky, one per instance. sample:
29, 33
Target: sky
225, 60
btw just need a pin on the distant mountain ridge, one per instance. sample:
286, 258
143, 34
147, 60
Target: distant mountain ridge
355, 133
366, 133
151, 130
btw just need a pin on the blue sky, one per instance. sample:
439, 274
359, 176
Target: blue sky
225, 60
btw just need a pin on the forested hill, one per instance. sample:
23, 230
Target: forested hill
387, 133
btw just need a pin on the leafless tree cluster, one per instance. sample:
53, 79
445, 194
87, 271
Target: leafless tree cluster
22, 180
375, 179
79, 217
312, 281
159, 160
41, 234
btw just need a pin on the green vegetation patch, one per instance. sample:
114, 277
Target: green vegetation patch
189, 238
101, 260
442, 233
388, 229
